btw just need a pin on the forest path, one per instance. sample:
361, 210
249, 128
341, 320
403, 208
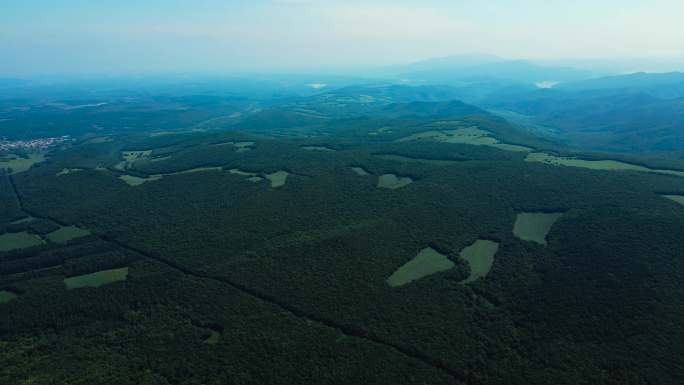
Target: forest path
348, 330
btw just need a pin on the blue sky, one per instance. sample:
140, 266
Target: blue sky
106, 36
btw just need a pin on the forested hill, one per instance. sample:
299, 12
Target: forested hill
636, 114
367, 249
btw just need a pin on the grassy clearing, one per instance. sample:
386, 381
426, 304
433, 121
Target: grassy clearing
22, 220
480, 257
130, 157
426, 135
400, 158
427, 262
277, 178
252, 176
380, 131
97, 279
360, 171
65, 234
159, 158
244, 146
137, 181
164, 133
237, 171
66, 171
193, 170
318, 148
133, 180
468, 135
610, 165
6, 296
392, 181
213, 338
18, 164
534, 226
240, 146
22, 240
121, 165
677, 198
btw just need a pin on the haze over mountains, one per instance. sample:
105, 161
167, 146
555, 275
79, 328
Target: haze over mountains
594, 110
341, 192
599, 110
494, 222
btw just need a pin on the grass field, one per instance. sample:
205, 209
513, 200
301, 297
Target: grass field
97, 279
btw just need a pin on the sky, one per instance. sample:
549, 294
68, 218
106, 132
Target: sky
143, 36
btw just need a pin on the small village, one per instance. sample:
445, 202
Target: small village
32, 144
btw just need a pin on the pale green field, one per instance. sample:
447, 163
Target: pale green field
66, 171
318, 148
391, 181
65, 234
437, 162
677, 198
97, 279
480, 257
277, 178
132, 156
22, 240
434, 135
121, 165
253, 177
193, 170
22, 220
137, 181
213, 338
241, 146
611, 165
164, 133
468, 135
534, 226
160, 158
6, 296
360, 171
427, 262
237, 171
244, 146
512, 147
18, 164
381, 130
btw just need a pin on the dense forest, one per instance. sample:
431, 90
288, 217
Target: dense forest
257, 252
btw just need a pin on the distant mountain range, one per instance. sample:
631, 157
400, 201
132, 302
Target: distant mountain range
631, 113
483, 70
431, 109
516, 71
665, 85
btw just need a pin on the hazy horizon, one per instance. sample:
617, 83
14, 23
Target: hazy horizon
126, 37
